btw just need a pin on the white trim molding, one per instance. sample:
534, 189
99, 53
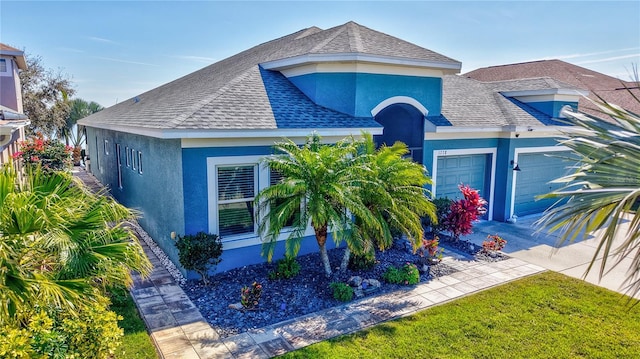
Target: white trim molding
493, 151
400, 99
261, 181
516, 154
280, 64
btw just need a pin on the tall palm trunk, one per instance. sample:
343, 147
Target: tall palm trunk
345, 259
321, 237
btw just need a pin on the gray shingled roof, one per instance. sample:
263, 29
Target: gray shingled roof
598, 84
230, 94
470, 103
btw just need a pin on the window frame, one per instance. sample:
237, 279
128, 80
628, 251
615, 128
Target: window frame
261, 180
127, 151
139, 162
7, 67
133, 160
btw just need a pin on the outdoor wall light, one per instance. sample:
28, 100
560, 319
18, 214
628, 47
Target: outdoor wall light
516, 167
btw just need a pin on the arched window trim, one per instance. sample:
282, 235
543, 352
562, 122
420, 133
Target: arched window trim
399, 99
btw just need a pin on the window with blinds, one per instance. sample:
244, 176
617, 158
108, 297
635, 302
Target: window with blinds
236, 192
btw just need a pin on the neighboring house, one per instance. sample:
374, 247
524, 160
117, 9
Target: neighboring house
12, 120
600, 86
187, 154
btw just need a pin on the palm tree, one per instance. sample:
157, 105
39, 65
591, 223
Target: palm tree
59, 242
318, 187
392, 188
604, 189
79, 109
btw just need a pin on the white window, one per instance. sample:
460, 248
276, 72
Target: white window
237, 187
127, 151
106, 147
133, 159
233, 183
139, 162
3, 66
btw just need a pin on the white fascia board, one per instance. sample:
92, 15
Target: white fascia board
289, 132
357, 57
553, 91
248, 133
450, 132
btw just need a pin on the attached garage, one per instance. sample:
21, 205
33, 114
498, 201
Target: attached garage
473, 170
537, 170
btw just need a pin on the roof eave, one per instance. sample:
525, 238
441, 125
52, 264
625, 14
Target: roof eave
552, 91
18, 56
233, 133
281, 64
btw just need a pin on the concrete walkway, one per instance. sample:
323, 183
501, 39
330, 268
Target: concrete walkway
179, 330
571, 259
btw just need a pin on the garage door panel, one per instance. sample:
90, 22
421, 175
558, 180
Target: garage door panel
454, 170
536, 172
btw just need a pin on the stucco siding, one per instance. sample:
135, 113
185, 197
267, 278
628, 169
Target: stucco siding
552, 108
504, 153
357, 94
156, 192
196, 196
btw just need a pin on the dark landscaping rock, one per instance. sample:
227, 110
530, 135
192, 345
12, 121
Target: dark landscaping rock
306, 293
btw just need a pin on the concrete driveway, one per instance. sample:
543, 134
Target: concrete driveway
540, 249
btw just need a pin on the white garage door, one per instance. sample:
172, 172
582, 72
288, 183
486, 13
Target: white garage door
536, 171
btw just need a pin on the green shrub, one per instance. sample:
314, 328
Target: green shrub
200, 252
364, 261
286, 268
342, 291
407, 275
91, 332
51, 155
443, 206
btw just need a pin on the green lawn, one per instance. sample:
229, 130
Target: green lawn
545, 316
136, 343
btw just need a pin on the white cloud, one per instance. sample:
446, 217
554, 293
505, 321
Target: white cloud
202, 59
607, 59
101, 39
578, 55
124, 61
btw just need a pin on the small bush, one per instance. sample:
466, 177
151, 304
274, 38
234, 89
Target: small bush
286, 268
407, 275
200, 252
430, 249
493, 243
51, 155
464, 212
342, 291
250, 296
46, 332
364, 261
443, 206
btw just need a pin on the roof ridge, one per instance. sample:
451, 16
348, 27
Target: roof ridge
337, 31
355, 41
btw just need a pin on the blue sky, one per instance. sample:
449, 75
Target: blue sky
114, 50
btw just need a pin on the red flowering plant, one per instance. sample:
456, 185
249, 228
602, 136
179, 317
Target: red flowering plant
430, 250
464, 212
493, 243
51, 155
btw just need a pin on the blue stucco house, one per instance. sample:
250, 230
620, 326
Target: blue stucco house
187, 154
